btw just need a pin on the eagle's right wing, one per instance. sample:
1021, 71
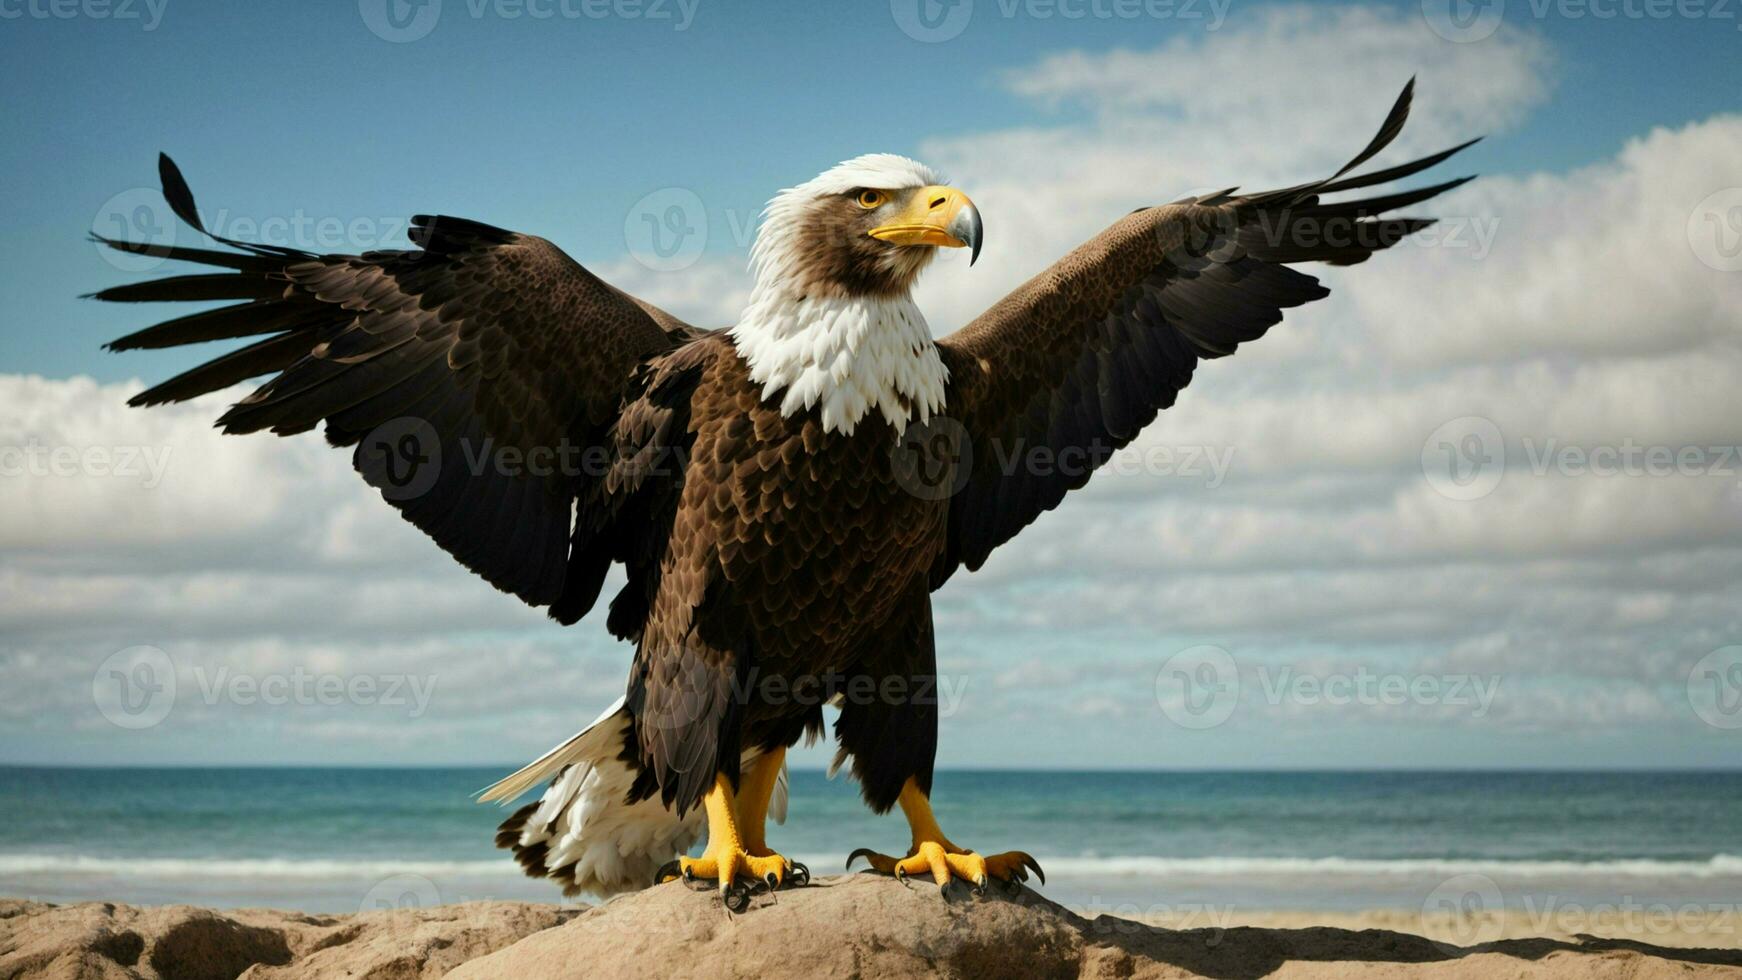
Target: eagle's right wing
1066, 370
475, 376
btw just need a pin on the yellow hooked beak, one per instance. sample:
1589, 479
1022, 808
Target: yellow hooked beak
935, 215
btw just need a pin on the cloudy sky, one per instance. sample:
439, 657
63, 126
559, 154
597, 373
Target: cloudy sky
1482, 507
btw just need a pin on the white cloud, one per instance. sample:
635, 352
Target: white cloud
708, 294
1592, 263
1252, 76
1284, 96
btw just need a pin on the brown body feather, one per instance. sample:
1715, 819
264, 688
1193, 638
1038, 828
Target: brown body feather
789, 552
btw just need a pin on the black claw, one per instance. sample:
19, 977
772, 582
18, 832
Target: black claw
980, 887
900, 874
689, 875
798, 874
668, 868
863, 852
772, 879
736, 897
1031, 862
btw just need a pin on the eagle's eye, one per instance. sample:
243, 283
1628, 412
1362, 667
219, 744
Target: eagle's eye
871, 199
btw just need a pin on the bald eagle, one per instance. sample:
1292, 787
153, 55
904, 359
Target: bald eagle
784, 495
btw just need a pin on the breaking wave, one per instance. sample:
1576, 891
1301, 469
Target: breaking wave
1719, 866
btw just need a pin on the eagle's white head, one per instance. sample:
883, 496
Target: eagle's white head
831, 324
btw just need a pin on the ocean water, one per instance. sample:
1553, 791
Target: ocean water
345, 839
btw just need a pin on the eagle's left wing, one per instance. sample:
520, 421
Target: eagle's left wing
473, 377
1066, 370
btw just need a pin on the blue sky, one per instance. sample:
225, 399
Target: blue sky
558, 126
1324, 553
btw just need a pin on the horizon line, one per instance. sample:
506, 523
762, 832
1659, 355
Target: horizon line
1131, 770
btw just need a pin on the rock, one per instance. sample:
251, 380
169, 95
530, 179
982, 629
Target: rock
415, 943
100, 941
870, 926
851, 925
856, 925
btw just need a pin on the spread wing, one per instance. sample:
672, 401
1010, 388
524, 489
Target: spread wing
471, 376
1067, 369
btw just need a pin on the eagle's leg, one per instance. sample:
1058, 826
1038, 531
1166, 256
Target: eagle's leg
893, 739
754, 793
727, 856
933, 853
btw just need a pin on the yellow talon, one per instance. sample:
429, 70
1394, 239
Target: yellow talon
933, 854
728, 865
728, 858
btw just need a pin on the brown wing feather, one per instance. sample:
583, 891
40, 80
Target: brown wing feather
1063, 372
484, 338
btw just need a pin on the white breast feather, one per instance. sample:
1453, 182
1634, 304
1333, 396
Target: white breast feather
842, 356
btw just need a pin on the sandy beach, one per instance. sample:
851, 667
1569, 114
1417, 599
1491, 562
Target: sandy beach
850, 924
1691, 926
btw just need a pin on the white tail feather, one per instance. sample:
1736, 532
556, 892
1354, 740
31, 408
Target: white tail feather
583, 832
777, 797
549, 764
